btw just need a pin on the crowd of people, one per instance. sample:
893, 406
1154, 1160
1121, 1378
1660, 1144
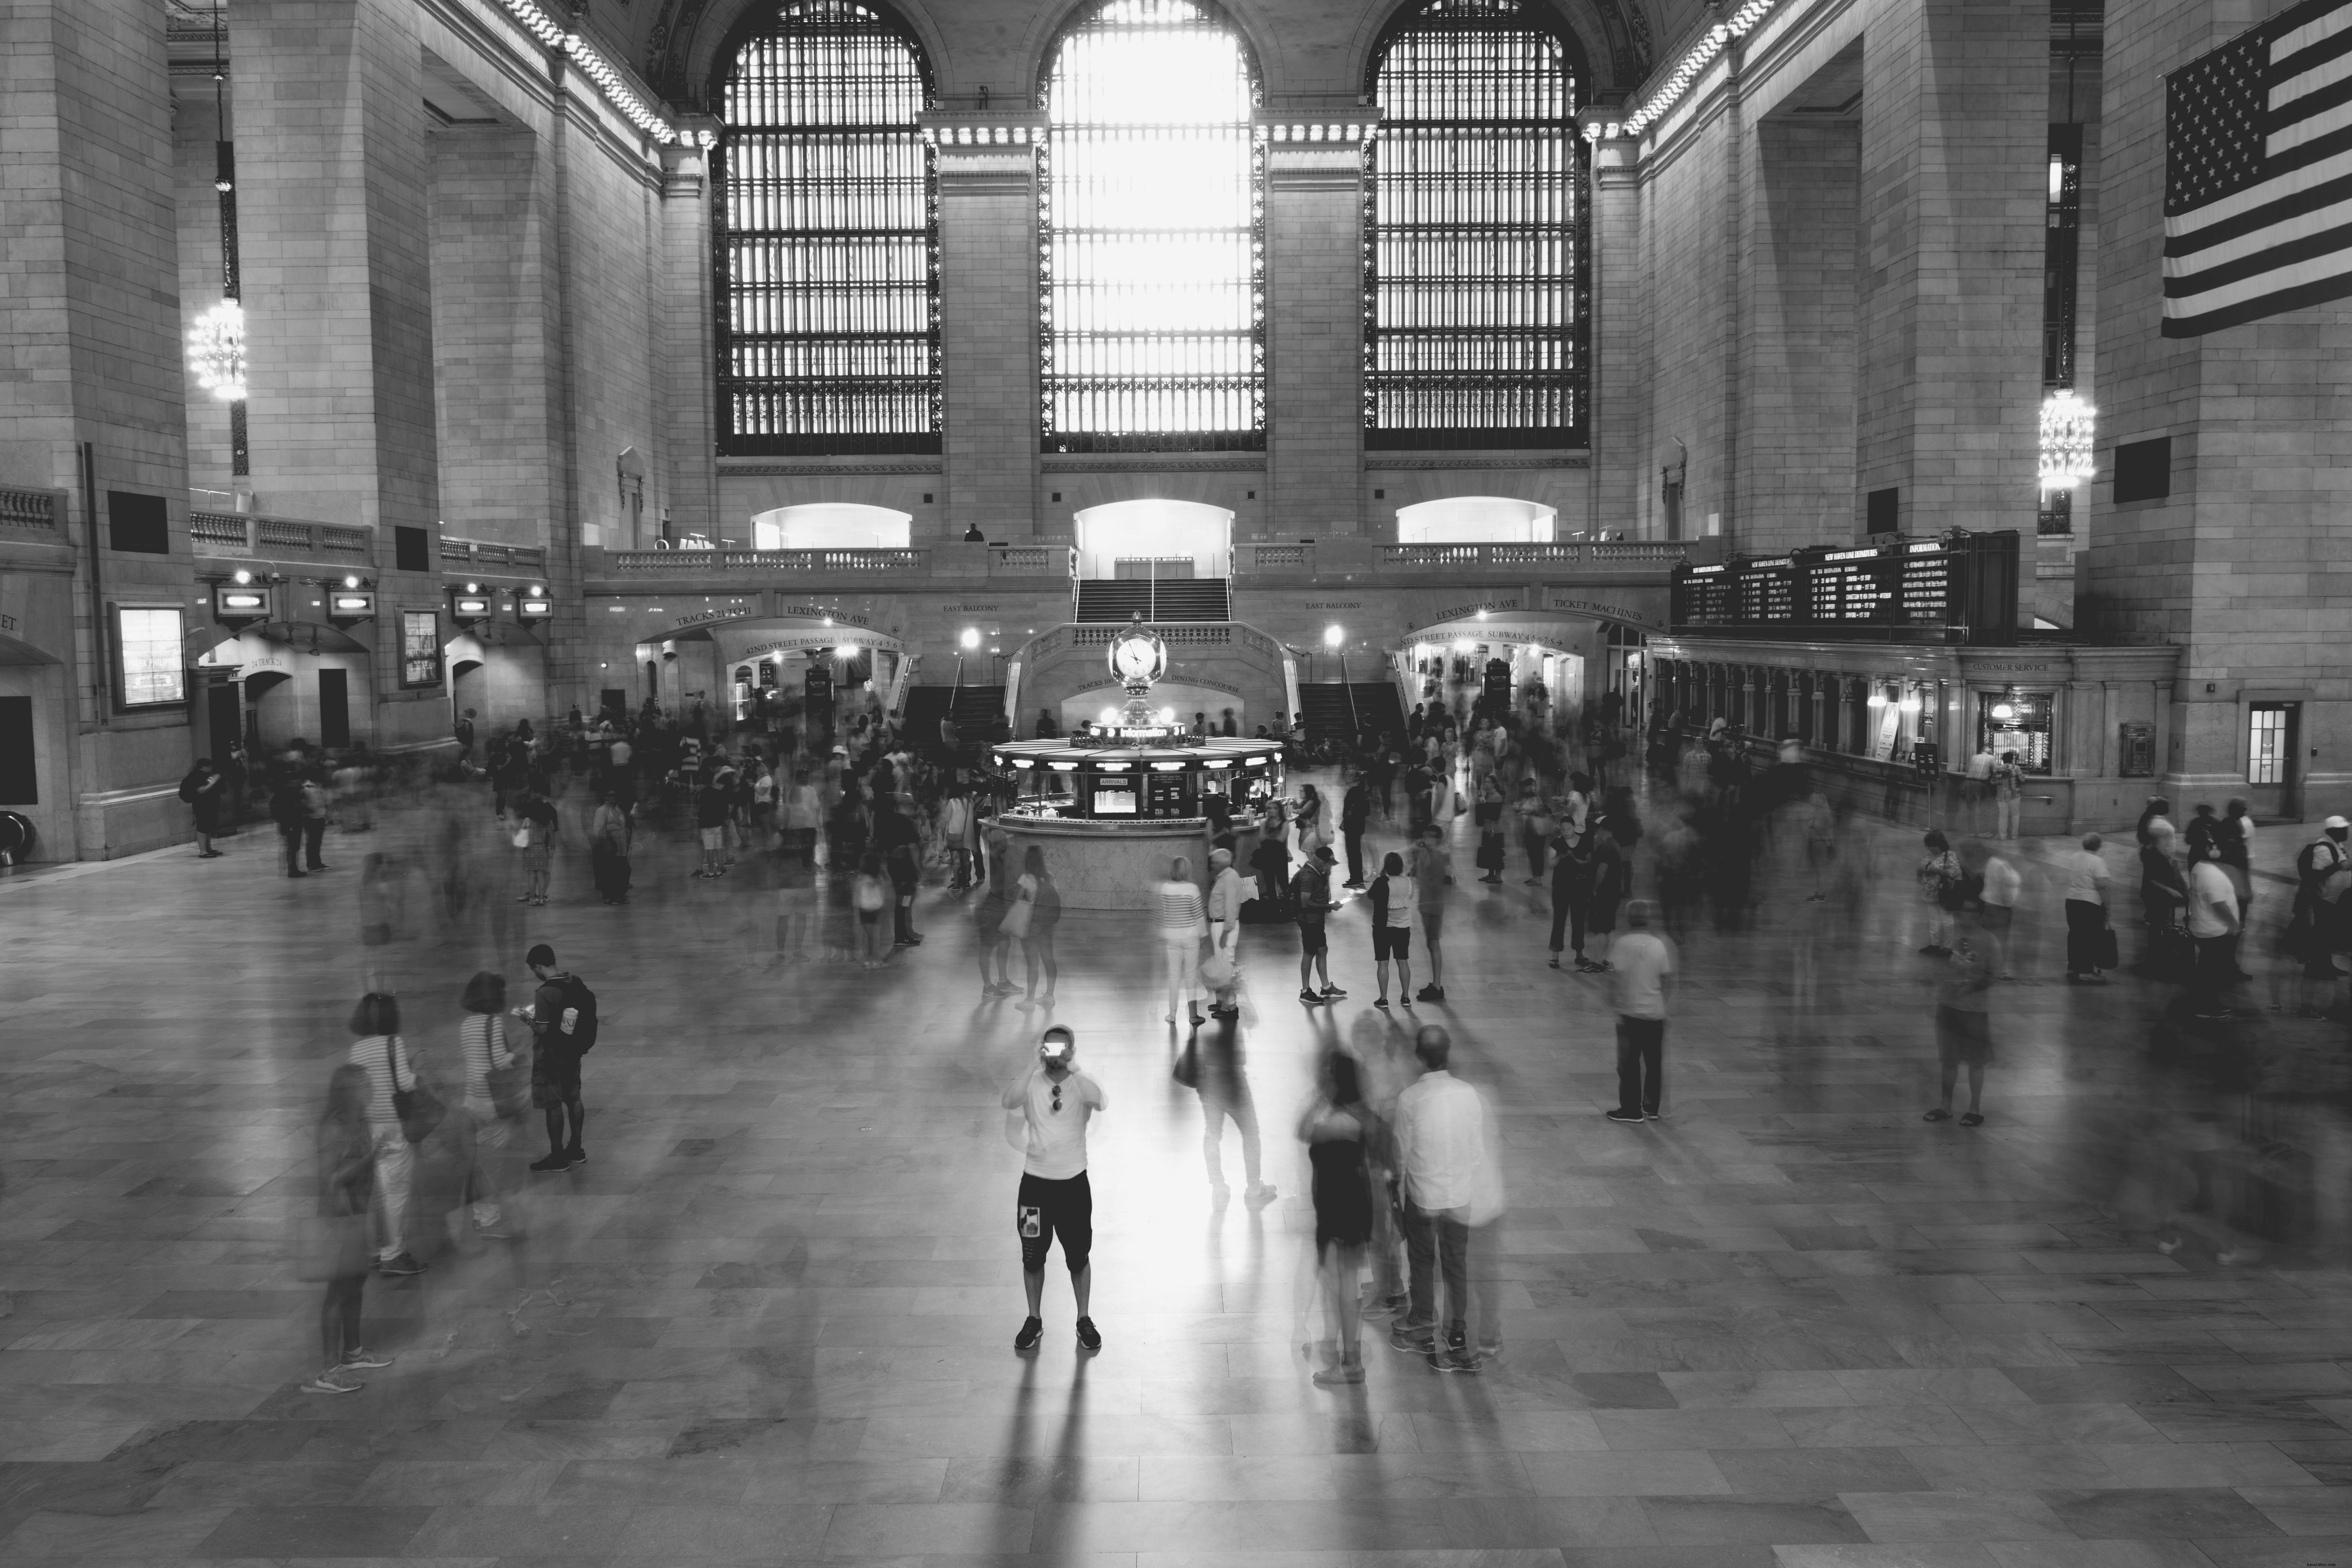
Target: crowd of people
1405, 1168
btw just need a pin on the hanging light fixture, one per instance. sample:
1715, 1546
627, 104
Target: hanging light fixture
2067, 427
217, 350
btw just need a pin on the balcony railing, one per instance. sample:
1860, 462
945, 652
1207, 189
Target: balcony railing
1522, 557
484, 555
239, 534
36, 511
695, 563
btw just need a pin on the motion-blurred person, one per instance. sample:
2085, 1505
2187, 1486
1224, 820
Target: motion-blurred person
870, 894
498, 1092
1487, 817
901, 845
1182, 923
562, 1019
1336, 1127
334, 1237
1447, 1156
804, 815
2167, 950
2152, 814
2214, 922
1224, 904
1535, 827
1938, 876
608, 849
1394, 898
392, 1081
2008, 795
1222, 1082
1270, 861
534, 838
463, 733
1963, 1031
1433, 873
315, 804
993, 946
1311, 905
2323, 870
1999, 886
1613, 879
955, 821
1355, 816
1039, 911
710, 810
384, 917
1055, 1102
1641, 969
202, 789
2088, 940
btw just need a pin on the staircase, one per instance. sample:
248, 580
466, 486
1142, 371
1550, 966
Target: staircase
1330, 717
1169, 599
976, 708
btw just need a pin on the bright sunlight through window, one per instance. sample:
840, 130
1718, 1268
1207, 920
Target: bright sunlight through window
1153, 264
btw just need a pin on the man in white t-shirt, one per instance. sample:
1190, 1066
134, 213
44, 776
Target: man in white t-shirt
1642, 965
2087, 877
1055, 1101
1997, 909
2213, 923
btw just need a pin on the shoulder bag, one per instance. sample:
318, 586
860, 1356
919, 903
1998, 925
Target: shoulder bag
510, 1087
420, 1110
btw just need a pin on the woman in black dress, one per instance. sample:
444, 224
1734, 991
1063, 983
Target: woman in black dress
1335, 1129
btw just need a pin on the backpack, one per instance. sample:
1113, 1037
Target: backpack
188, 789
578, 1024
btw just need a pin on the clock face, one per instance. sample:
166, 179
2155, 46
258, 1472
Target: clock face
1133, 659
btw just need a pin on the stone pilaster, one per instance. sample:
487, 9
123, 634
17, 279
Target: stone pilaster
1955, 110
1315, 350
2242, 564
90, 336
335, 252
691, 478
988, 311
1624, 483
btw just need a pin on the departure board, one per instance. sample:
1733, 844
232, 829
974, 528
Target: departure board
1957, 587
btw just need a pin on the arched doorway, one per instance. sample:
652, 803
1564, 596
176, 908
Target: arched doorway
1478, 520
1155, 539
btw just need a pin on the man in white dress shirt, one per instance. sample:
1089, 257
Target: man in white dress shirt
1446, 1153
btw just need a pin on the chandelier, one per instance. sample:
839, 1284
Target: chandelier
217, 350
2067, 424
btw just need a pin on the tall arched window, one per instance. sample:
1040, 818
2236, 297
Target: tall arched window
1150, 216
827, 241
1474, 296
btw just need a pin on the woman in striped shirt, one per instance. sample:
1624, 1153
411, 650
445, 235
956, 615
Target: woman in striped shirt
482, 1043
1182, 923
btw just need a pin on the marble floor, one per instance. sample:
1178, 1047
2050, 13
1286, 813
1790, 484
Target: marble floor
772, 1319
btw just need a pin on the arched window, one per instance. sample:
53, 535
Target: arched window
827, 243
1152, 264
1474, 296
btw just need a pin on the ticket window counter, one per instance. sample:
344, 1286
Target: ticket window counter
2018, 721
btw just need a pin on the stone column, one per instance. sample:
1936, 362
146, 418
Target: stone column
336, 254
988, 318
1623, 486
93, 353
1315, 352
2238, 563
1956, 103
689, 439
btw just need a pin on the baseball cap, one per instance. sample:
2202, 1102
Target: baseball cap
2336, 821
1323, 852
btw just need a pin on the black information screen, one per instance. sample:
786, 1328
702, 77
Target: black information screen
1961, 587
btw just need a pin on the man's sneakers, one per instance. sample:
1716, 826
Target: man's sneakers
1350, 1369
1430, 994
559, 1161
398, 1264
1089, 1337
334, 1380
1259, 1196
1333, 994
576, 1154
1621, 1115
1418, 1340
361, 1359
1031, 1330
1310, 998
1455, 1358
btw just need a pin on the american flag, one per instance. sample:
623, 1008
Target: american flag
2258, 172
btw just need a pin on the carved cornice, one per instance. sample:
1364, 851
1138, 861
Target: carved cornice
1151, 462
851, 469
1481, 460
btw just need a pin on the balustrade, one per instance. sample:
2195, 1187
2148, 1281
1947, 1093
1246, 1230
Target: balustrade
29, 508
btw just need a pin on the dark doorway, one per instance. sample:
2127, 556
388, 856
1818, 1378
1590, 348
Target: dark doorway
19, 774
614, 702
224, 721
334, 708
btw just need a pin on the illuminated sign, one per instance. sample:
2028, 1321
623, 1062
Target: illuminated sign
471, 607
534, 609
240, 602
346, 604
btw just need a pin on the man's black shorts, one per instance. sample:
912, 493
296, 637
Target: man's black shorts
1312, 938
1048, 1209
554, 1078
1391, 942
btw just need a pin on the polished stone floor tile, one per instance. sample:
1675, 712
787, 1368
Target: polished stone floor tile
1789, 1326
